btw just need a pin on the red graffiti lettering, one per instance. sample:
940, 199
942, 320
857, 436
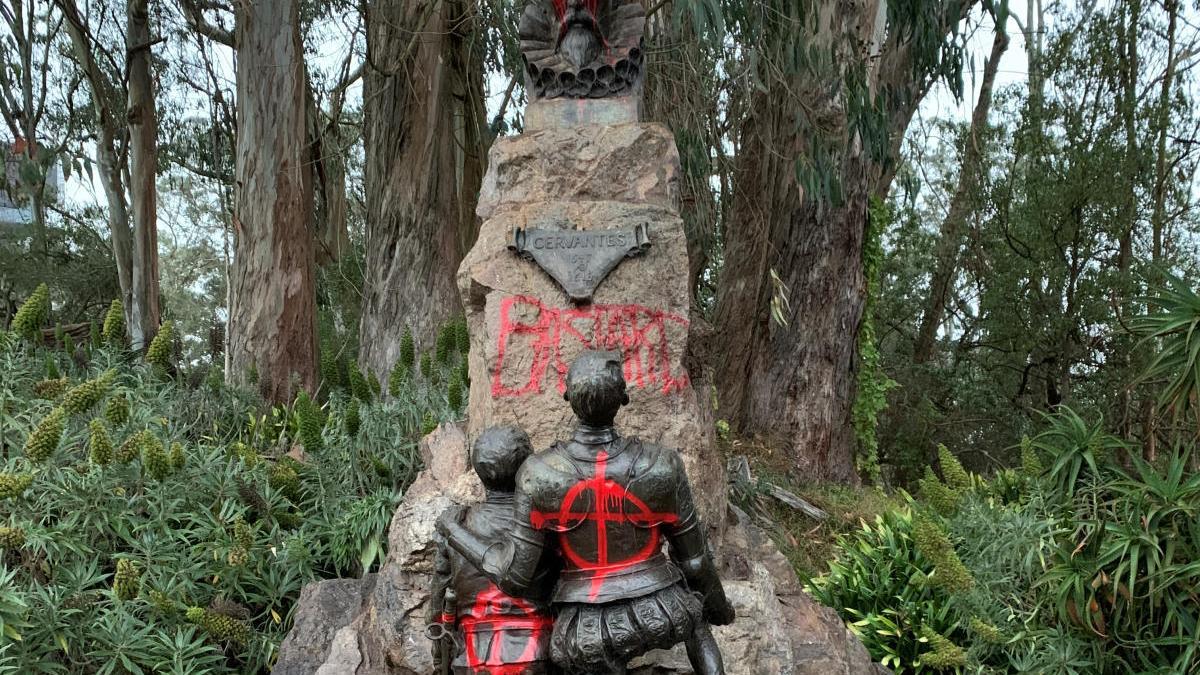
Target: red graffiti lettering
638, 332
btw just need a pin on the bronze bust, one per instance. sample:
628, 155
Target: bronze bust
605, 504
582, 48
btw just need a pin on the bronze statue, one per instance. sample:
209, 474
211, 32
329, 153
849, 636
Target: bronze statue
605, 504
582, 48
479, 629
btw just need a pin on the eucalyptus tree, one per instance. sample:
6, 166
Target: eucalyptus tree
37, 104
426, 149
123, 104
827, 90
272, 317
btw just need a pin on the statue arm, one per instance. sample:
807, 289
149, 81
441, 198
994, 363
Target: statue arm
442, 574
690, 552
510, 560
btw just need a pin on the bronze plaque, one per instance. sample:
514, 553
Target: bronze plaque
579, 259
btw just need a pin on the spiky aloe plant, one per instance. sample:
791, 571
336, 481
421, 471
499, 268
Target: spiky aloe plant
116, 411
931, 540
353, 417
100, 445
14, 484
127, 582
220, 626
154, 458
83, 396
408, 350
359, 386
309, 423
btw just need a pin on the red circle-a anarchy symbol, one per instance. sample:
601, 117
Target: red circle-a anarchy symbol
611, 503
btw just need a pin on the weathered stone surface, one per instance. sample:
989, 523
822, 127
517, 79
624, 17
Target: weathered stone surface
779, 629
524, 329
557, 113
323, 609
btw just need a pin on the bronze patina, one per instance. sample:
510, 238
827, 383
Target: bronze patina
579, 259
605, 505
477, 628
582, 48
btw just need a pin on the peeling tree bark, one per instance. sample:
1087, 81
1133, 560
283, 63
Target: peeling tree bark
425, 160
795, 384
273, 314
143, 165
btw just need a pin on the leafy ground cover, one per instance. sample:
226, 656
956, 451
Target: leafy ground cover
159, 521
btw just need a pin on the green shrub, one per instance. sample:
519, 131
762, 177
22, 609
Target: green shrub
118, 549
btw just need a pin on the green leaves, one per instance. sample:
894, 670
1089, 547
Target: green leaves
1175, 330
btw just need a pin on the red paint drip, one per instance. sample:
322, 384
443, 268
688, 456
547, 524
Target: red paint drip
640, 333
493, 611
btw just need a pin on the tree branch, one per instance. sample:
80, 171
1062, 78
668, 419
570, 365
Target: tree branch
193, 12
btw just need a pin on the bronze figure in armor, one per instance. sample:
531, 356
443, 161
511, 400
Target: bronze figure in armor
479, 629
606, 505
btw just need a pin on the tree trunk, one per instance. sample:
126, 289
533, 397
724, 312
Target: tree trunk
143, 160
273, 318
1163, 124
422, 180
950, 237
112, 163
678, 93
329, 179
795, 382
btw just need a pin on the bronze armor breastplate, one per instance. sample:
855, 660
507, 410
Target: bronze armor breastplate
609, 518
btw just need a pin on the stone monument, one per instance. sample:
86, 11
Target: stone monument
581, 248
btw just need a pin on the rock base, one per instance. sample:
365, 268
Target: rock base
375, 626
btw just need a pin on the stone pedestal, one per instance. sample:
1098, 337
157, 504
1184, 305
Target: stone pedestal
525, 331
524, 334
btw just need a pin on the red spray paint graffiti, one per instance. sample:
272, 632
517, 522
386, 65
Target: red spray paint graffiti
640, 333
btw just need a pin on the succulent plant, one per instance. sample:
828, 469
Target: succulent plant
158, 354
12, 538
154, 457
220, 626
116, 411
83, 396
14, 484
308, 418
100, 445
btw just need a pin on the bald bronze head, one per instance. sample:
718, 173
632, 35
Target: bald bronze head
596, 387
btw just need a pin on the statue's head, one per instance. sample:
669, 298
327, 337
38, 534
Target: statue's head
582, 48
497, 455
596, 387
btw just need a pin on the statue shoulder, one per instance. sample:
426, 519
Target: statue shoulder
652, 458
544, 470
